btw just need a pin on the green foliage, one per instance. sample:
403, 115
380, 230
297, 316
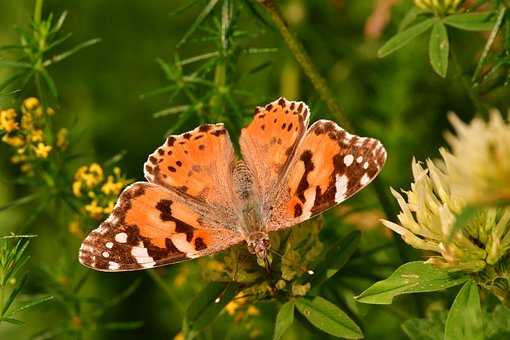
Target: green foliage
329, 318
284, 319
12, 259
412, 277
218, 59
465, 316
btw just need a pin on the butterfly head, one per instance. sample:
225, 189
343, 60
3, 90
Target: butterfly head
258, 244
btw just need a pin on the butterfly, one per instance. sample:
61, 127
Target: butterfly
199, 199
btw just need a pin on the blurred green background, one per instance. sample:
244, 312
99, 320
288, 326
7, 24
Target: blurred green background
397, 99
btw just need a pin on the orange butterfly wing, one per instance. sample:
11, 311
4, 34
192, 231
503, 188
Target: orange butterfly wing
184, 212
269, 142
329, 166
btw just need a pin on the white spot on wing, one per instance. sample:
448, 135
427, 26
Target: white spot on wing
121, 237
113, 265
359, 159
106, 254
348, 159
364, 180
365, 166
341, 187
109, 245
139, 252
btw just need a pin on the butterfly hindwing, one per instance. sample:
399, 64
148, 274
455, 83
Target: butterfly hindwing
329, 166
152, 226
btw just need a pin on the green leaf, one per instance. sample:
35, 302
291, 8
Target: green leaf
472, 21
13, 295
497, 323
431, 328
13, 321
465, 319
410, 17
284, 319
412, 277
59, 57
206, 306
20, 201
336, 257
32, 303
329, 318
199, 19
439, 48
403, 38
488, 45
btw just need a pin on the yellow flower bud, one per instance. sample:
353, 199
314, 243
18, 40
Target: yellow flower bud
15, 141
31, 103
94, 210
42, 150
36, 136
7, 120
50, 111
77, 188
62, 138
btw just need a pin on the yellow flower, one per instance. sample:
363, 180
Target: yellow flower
109, 208
36, 135
77, 188
439, 6
252, 310
42, 150
15, 141
179, 336
231, 307
116, 171
94, 210
110, 187
62, 138
18, 158
7, 120
50, 111
31, 103
26, 121
74, 228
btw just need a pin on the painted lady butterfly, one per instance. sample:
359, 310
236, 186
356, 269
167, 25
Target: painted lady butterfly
200, 200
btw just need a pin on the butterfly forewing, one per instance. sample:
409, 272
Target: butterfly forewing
197, 164
270, 140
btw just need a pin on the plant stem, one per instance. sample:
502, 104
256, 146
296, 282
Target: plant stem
38, 11
306, 63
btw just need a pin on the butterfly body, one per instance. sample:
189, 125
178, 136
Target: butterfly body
199, 199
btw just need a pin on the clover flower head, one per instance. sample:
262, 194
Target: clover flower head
444, 189
441, 7
479, 161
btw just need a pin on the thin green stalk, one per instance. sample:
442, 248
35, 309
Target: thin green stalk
306, 63
490, 42
38, 11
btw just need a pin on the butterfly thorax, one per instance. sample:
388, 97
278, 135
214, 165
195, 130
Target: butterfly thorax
249, 209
